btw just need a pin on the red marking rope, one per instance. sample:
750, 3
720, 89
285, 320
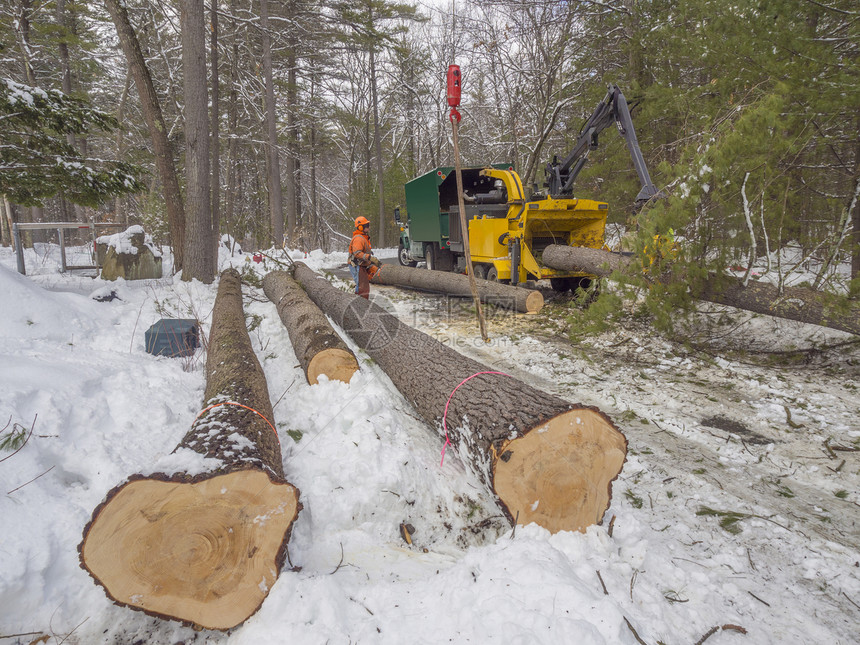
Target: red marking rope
202, 412
448, 402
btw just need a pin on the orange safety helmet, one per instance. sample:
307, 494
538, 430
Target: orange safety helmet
361, 222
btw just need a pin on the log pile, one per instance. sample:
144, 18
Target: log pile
317, 346
203, 544
793, 303
546, 460
455, 284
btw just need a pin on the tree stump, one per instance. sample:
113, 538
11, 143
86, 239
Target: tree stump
317, 346
547, 461
794, 303
204, 541
455, 284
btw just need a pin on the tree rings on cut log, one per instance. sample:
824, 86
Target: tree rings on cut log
336, 364
206, 552
559, 474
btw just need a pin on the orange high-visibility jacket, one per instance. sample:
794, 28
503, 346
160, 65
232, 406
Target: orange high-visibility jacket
359, 249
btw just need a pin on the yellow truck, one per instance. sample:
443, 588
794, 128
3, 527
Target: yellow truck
508, 231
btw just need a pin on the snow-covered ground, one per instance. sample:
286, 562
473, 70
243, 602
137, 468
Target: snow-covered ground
738, 505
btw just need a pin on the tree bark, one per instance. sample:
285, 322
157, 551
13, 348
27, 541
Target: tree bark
199, 245
5, 225
232, 129
189, 544
547, 461
317, 346
215, 131
377, 144
157, 130
120, 142
291, 196
11, 218
273, 165
579, 258
455, 284
794, 303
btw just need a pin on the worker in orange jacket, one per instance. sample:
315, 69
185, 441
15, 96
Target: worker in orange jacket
362, 264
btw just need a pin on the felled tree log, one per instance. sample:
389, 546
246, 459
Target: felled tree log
203, 540
547, 461
455, 284
318, 347
579, 258
794, 303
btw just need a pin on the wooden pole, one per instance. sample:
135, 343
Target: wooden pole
464, 228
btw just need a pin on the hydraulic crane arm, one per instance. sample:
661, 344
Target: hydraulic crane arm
560, 176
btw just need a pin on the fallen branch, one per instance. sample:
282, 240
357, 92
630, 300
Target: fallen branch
602, 584
30, 434
635, 633
714, 630
31, 481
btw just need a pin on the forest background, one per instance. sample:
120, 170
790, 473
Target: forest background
271, 120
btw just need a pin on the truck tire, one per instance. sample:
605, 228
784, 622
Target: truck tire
430, 256
560, 285
403, 257
579, 283
493, 276
480, 271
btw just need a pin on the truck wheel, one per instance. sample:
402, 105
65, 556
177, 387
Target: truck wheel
591, 287
480, 271
403, 257
560, 284
493, 276
579, 283
430, 256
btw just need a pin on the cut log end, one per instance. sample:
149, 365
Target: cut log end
534, 302
337, 364
204, 553
558, 475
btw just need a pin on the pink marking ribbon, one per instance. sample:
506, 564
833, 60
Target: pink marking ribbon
448, 402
